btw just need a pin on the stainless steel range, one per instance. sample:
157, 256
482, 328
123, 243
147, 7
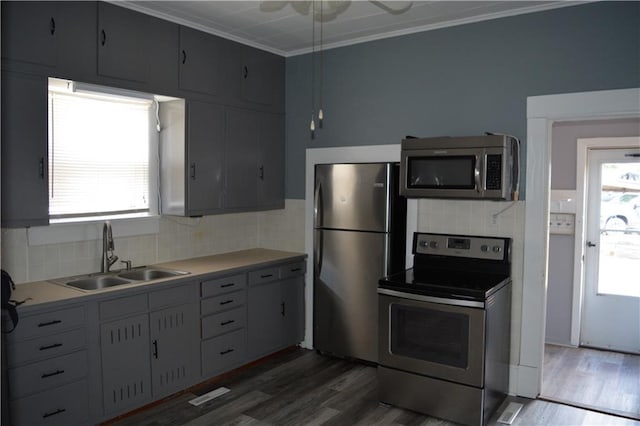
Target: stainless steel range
445, 328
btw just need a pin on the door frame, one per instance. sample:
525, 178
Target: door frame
542, 112
580, 237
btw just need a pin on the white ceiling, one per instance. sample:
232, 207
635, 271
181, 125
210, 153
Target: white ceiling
286, 32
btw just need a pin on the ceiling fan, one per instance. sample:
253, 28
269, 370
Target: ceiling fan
328, 10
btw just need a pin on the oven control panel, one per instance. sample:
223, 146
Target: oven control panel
491, 248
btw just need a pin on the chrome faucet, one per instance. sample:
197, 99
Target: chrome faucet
108, 258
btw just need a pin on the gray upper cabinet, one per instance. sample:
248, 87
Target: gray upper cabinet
76, 23
254, 160
262, 78
25, 199
201, 62
29, 32
205, 158
123, 43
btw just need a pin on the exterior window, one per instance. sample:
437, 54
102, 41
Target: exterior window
101, 154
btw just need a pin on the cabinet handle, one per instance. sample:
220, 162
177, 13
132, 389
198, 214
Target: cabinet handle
226, 302
55, 345
52, 26
227, 322
246, 72
103, 37
261, 172
155, 349
266, 276
282, 309
193, 171
228, 351
47, 324
41, 168
296, 269
227, 285
55, 373
184, 57
53, 413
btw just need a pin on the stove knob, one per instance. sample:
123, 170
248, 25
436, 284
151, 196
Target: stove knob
484, 248
497, 249
424, 244
433, 244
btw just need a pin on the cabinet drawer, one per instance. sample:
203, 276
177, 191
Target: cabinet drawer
224, 353
47, 374
123, 306
48, 323
223, 302
263, 275
66, 405
293, 269
45, 347
217, 324
223, 285
170, 297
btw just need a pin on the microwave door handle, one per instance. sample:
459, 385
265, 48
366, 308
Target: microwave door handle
476, 174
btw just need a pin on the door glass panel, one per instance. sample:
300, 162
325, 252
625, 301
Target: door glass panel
455, 172
619, 257
430, 335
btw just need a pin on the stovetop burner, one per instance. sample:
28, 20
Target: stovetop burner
454, 266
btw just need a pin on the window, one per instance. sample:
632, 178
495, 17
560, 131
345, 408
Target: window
102, 151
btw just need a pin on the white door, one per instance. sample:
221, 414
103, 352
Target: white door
611, 298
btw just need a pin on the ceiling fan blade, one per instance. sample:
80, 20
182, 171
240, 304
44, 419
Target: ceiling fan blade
272, 6
393, 7
302, 7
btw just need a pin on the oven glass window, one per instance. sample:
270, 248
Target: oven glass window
430, 335
454, 172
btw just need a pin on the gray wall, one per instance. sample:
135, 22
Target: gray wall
564, 145
461, 80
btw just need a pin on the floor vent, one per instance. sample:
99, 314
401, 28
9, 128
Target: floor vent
208, 396
510, 413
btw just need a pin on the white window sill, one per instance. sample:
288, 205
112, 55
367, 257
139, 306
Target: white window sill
61, 232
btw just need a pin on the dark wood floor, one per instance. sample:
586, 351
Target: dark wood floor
591, 378
301, 387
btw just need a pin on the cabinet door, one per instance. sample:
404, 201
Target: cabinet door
201, 62
265, 324
271, 168
76, 24
29, 32
25, 199
123, 43
173, 341
205, 158
293, 310
260, 76
124, 346
242, 157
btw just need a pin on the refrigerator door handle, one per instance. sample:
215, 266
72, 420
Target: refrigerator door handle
317, 253
318, 205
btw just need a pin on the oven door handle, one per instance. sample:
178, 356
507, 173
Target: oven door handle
477, 175
442, 300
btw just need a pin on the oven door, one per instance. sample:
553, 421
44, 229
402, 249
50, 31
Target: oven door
439, 340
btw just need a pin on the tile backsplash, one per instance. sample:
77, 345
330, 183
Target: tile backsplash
178, 238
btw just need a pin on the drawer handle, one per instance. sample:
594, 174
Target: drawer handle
53, 413
227, 322
155, 349
226, 302
296, 269
55, 345
227, 285
266, 276
47, 324
55, 373
228, 351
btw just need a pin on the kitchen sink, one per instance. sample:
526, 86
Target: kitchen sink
150, 274
97, 282
100, 281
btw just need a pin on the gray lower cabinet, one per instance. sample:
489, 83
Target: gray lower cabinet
276, 309
48, 368
25, 199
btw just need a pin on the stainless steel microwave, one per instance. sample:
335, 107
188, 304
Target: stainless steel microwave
473, 167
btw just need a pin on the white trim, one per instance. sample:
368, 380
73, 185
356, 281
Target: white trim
542, 111
582, 154
350, 154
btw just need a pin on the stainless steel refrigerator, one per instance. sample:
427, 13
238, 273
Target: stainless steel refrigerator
359, 237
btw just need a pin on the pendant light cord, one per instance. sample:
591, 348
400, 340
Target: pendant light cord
312, 127
321, 112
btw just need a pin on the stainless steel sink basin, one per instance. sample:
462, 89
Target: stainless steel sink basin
98, 282
150, 274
